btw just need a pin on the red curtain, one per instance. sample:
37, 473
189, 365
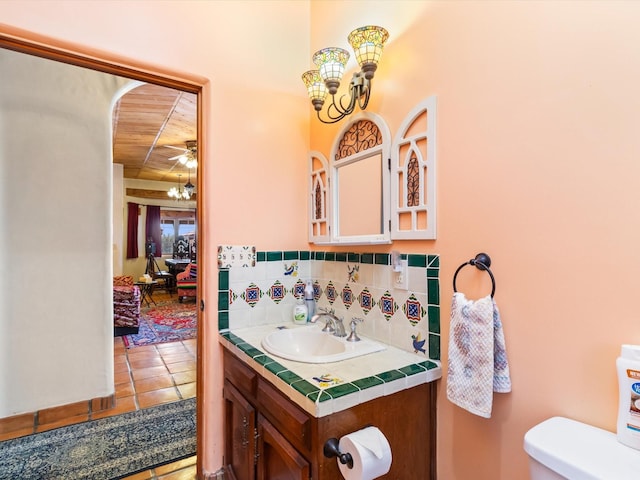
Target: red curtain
153, 229
132, 230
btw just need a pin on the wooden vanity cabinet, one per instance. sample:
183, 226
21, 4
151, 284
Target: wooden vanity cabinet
268, 436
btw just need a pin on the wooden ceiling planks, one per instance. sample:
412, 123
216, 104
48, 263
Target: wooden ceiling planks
145, 120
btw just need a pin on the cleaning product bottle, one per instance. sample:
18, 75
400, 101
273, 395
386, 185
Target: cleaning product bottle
309, 301
300, 312
628, 366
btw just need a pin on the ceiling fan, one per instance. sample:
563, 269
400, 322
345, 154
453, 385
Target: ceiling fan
189, 155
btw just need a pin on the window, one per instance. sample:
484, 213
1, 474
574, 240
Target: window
168, 236
175, 224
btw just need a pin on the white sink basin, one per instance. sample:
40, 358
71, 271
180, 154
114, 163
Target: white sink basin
312, 345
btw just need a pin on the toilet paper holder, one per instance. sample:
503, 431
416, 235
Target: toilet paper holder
331, 450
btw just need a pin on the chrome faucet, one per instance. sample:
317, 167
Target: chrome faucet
333, 323
353, 336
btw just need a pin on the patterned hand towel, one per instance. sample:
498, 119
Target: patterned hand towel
477, 357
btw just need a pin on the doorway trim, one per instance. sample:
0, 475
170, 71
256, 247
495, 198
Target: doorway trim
41, 46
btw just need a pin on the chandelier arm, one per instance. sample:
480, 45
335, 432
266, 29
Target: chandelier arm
367, 94
331, 120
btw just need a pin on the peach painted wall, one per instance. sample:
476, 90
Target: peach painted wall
538, 161
257, 125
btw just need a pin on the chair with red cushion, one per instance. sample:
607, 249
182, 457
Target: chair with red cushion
187, 282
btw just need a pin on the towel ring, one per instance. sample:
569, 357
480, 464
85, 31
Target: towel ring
481, 262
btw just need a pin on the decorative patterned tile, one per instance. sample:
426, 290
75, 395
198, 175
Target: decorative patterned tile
291, 269
353, 273
277, 291
236, 256
298, 289
366, 300
252, 294
317, 291
347, 296
418, 343
346, 284
232, 297
413, 310
387, 305
330, 292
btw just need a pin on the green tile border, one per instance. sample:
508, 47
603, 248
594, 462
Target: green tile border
434, 347
431, 264
367, 382
417, 261
305, 387
312, 391
274, 256
366, 258
223, 279
341, 390
223, 320
390, 375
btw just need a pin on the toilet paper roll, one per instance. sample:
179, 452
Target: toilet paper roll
370, 451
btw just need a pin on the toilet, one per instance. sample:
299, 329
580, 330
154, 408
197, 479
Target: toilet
560, 449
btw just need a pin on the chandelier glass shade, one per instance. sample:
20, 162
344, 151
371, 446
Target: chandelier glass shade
367, 43
180, 193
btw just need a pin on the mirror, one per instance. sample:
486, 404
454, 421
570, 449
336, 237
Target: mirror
373, 191
359, 202
361, 182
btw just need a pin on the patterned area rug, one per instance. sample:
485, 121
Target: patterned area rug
166, 322
104, 449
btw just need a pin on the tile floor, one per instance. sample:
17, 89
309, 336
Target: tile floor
144, 376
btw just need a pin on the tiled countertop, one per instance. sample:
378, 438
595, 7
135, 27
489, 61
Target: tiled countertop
356, 380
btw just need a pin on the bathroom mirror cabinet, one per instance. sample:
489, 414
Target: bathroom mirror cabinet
374, 189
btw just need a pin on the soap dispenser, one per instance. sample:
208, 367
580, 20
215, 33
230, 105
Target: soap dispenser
300, 312
309, 301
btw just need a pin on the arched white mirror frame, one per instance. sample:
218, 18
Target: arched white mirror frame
382, 150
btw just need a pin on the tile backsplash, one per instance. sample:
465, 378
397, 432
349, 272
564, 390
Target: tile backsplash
353, 284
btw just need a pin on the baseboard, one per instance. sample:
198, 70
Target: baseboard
31, 420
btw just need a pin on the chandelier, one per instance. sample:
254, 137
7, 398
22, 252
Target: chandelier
367, 43
180, 193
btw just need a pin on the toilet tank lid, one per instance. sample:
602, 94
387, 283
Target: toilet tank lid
577, 450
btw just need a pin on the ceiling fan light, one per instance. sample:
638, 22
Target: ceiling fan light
193, 163
183, 159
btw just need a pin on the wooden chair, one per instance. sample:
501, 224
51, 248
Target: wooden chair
187, 282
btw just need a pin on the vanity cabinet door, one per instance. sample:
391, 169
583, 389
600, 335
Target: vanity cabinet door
277, 458
240, 428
